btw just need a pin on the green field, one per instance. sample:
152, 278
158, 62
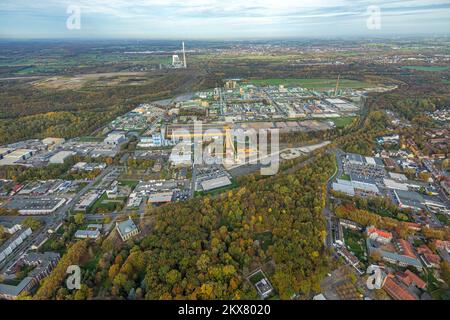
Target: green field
103, 204
315, 83
343, 121
427, 68
258, 276
129, 183
355, 243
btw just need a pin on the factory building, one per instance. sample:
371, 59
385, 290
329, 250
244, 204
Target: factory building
60, 157
12, 158
35, 206
115, 139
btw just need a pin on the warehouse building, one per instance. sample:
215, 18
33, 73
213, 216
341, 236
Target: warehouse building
15, 156
4, 152
52, 143
409, 200
215, 183
115, 139
160, 197
60, 157
35, 206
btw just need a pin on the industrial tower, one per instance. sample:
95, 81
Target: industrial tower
184, 57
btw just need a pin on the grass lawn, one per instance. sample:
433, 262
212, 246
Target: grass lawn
442, 218
345, 177
315, 83
129, 183
355, 243
54, 244
103, 204
426, 68
256, 277
343, 121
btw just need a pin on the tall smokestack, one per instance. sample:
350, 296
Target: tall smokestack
184, 57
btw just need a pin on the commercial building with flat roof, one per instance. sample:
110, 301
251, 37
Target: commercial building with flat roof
4, 152
215, 183
15, 156
35, 206
115, 139
409, 200
160, 197
60, 157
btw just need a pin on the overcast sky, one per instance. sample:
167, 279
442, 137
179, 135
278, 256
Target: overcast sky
221, 19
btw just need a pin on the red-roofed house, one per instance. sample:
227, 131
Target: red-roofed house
379, 235
413, 226
430, 259
442, 244
410, 278
406, 248
395, 290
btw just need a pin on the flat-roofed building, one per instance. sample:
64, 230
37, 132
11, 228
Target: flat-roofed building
60, 157
15, 156
115, 139
35, 206
398, 177
344, 187
215, 183
409, 200
4, 152
88, 200
87, 234
51, 143
392, 184
160, 197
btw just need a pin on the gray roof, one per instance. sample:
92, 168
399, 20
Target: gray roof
126, 227
355, 157
394, 256
410, 198
215, 183
15, 290
87, 234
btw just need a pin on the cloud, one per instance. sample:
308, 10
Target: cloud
235, 17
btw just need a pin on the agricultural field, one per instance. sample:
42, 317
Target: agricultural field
427, 68
93, 80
